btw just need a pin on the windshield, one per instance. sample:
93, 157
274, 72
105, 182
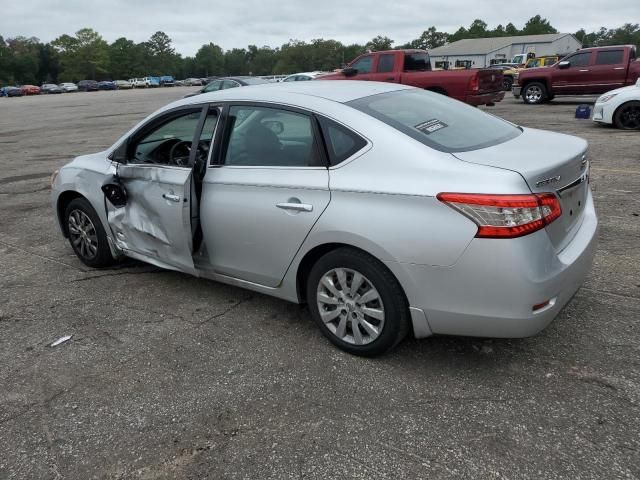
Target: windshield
437, 121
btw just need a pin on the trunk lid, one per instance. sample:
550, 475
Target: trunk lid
489, 80
548, 162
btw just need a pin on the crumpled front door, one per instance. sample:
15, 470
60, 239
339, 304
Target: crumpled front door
155, 224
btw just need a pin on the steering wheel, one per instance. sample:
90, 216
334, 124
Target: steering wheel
180, 158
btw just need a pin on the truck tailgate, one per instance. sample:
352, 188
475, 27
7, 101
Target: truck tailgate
489, 80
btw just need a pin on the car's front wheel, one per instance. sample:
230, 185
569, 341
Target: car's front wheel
86, 234
534, 93
357, 302
627, 116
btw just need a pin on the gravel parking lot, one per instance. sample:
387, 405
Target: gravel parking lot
169, 376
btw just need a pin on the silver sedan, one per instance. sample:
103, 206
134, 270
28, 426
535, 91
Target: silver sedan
387, 209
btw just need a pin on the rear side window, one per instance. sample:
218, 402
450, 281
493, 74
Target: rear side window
437, 121
609, 57
386, 63
417, 61
579, 59
341, 142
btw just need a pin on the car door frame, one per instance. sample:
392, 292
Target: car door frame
573, 79
216, 162
126, 172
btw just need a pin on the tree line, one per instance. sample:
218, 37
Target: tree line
86, 55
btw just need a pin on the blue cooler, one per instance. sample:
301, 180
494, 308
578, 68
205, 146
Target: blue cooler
583, 111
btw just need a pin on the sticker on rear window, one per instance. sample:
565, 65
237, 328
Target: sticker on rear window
431, 126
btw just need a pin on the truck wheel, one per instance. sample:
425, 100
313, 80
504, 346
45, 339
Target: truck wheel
507, 83
627, 116
534, 93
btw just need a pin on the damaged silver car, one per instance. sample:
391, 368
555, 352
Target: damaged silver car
387, 209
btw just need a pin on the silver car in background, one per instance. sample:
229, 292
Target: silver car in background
387, 209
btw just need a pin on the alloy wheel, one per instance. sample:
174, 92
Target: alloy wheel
83, 234
350, 306
630, 117
533, 94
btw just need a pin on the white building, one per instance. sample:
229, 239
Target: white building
482, 52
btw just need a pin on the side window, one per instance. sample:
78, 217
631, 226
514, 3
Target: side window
169, 143
579, 59
290, 79
386, 63
213, 86
363, 65
229, 84
341, 142
270, 137
417, 62
609, 57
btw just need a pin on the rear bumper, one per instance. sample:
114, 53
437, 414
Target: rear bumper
484, 98
492, 288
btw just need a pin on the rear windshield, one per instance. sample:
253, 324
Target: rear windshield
437, 121
254, 81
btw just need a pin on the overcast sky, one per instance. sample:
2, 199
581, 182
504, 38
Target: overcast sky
239, 23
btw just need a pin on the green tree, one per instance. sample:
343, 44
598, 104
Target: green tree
235, 62
477, 29
209, 60
379, 43
511, 30
430, 38
537, 26
84, 56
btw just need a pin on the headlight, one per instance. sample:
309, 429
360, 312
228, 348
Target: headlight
54, 175
606, 98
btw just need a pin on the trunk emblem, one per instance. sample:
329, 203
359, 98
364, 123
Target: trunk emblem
548, 181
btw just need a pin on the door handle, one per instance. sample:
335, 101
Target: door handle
171, 197
583, 70
297, 207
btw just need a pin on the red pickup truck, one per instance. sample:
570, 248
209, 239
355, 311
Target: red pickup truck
590, 71
413, 67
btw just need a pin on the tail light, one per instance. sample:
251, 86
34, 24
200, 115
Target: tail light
505, 216
474, 82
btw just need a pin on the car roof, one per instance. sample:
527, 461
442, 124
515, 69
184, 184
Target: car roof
341, 91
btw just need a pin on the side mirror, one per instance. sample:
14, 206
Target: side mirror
115, 192
564, 64
350, 72
119, 155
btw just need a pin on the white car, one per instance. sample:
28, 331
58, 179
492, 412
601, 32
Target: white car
69, 87
301, 77
138, 82
620, 107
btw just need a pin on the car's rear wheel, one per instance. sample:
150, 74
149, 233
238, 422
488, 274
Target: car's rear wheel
86, 234
534, 93
357, 302
627, 116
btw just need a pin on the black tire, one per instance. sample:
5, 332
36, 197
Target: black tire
94, 231
627, 116
391, 298
534, 93
507, 83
